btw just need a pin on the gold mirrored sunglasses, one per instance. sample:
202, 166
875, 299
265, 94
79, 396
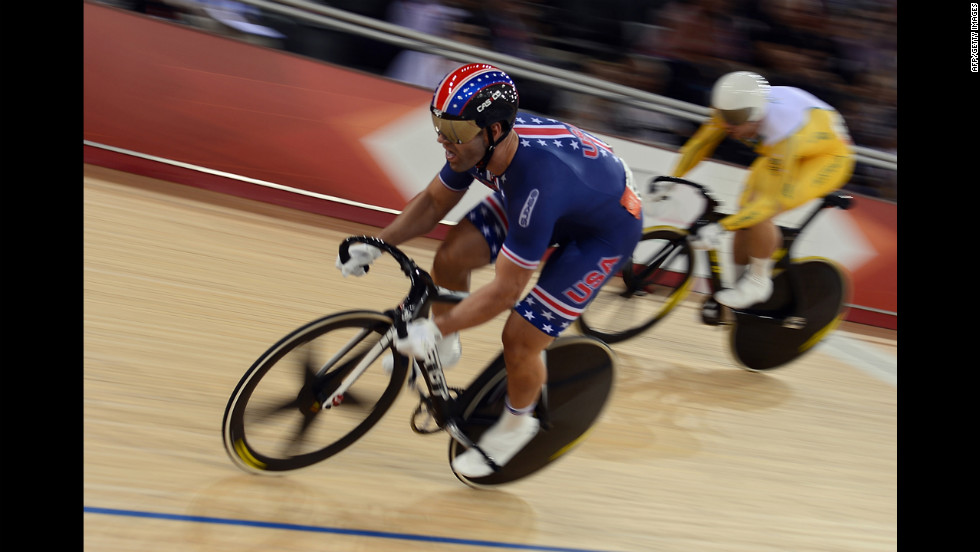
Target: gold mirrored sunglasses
455, 130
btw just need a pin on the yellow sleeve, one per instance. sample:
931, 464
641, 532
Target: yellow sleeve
699, 146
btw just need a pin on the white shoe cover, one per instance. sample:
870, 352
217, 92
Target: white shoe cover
748, 291
500, 442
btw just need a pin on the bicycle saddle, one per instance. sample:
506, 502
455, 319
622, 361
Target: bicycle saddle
839, 199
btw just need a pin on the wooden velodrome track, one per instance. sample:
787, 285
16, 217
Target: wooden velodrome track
185, 288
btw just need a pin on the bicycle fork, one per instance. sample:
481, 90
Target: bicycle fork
337, 395
711, 310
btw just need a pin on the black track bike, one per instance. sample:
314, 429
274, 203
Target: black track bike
808, 300
324, 386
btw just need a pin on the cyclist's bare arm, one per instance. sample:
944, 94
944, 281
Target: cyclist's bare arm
422, 213
498, 296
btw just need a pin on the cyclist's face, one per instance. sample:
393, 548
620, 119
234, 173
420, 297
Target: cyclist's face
743, 131
462, 157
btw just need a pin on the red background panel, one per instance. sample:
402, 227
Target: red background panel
162, 89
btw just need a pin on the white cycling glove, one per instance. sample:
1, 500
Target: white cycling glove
423, 336
708, 237
361, 256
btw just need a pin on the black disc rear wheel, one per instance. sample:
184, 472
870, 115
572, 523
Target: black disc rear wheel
580, 379
807, 303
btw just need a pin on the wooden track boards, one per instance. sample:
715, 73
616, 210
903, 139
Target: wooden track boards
184, 288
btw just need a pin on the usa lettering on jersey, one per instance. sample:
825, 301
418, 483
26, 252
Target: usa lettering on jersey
582, 290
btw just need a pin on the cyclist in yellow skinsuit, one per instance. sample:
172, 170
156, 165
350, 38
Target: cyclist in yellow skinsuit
805, 152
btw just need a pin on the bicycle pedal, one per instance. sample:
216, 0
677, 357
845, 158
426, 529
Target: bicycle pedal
794, 322
711, 313
423, 422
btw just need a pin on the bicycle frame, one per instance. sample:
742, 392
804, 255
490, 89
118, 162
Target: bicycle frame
422, 293
782, 256
287, 430
808, 294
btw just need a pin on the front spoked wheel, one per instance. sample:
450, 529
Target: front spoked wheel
660, 276
275, 420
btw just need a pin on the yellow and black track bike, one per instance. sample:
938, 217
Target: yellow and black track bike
324, 385
808, 300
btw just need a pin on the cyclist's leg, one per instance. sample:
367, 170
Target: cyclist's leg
760, 239
526, 375
814, 177
770, 195
466, 248
815, 288
474, 242
829, 163
756, 238
817, 177
580, 378
753, 249
566, 286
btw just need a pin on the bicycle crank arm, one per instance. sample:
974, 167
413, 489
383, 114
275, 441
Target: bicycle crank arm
461, 437
790, 322
456, 433
794, 322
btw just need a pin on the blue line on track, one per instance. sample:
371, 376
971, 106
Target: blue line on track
334, 530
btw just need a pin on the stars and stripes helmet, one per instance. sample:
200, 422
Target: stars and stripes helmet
471, 98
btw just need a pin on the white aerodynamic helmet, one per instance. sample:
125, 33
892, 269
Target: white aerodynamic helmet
740, 97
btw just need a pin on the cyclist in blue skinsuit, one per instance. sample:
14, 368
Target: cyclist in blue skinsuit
553, 184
